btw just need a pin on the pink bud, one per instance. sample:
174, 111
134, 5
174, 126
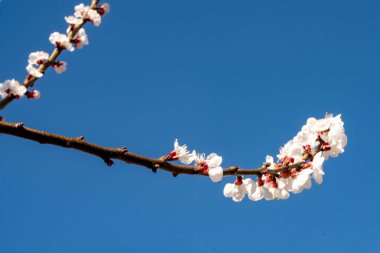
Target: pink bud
34, 94
239, 180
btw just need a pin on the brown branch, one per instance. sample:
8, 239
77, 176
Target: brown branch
29, 81
106, 154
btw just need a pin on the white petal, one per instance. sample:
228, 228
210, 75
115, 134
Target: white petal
216, 174
176, 145
188, 158
268, 194
250, 185
213, 160
238, 194
228, 190
238, 197
256, 195
283, 194
307, 184
33, 71
318, 177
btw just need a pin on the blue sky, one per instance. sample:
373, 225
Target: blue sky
238, 78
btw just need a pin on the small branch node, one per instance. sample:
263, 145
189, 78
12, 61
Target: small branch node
123, 149
19, 125
164, 158
155, 167
80, 138
108, 162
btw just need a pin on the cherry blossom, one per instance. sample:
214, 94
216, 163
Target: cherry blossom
239, 189
182, 154
259, 193
33, 71
34, 61
331, 131
103, 9
317, 167
73, 21
302, 181
80, 39
59, 66
269, 160
273, 190
210, 165
12, 87
38, 58
291, 152
276, 193
61, 41
299, 159
85, 12
34, 94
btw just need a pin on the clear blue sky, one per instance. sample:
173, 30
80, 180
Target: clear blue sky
234, 77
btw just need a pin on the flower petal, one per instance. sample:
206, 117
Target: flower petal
216, 174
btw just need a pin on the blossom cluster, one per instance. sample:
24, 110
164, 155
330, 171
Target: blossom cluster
299, 160
209, 165
75, 37
12, 87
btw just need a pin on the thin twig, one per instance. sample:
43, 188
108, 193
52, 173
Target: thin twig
106, 154
29, 81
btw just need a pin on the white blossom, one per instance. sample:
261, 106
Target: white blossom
331, 131
85, 12
211, 166
259, 193
80, 10
239, 189
285, 183
302, 181
34, 61
276, 193
33, 71
80, 38
318, 140
12, 87
61, 41
317, 167
38, 58
182, 154
73, 21
59, 66
292, 151
269, 160
270, 189
104, 9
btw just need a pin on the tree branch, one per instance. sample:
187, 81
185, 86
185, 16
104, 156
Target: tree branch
29, 81
106, 154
